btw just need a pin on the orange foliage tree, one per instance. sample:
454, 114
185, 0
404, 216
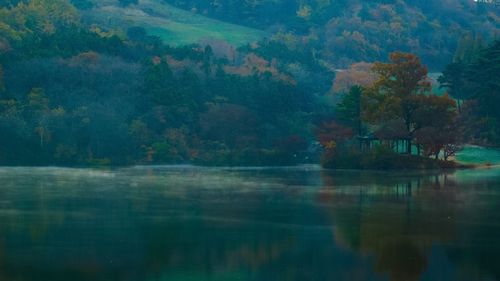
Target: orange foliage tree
359, 74
436, 126
330, 134
396, 94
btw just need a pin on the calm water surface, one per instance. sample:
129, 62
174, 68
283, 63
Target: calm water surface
185, 223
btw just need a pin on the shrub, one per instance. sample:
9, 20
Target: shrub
380, 158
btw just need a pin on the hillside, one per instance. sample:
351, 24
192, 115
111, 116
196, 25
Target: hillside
343, 32
88, 84
173, 25
74, 91
339, 33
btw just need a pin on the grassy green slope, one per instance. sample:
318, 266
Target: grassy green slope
479, 155
174, 26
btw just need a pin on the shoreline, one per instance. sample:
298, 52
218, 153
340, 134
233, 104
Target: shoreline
460, 166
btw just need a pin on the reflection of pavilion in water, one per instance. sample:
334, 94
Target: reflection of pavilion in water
394, 220
226, 226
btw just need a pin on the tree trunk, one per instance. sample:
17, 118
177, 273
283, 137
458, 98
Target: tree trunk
41, 138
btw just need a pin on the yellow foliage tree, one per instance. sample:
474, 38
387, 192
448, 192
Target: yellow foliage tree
36, 17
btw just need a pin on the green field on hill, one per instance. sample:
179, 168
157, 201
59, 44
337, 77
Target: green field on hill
174, 26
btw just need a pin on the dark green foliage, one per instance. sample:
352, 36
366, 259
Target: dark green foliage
349, 109
9, 3
453, 79
475, 80
2, 88
82, 4
73, 94
483, 75
128, 2
246, 157
298, 61
343, 32
136, 33
76, 96
381, 158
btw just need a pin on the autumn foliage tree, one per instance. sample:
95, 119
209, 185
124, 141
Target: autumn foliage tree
436, 126
332, 137
358, 74
395, 95
36, 17
331, 133
399, 108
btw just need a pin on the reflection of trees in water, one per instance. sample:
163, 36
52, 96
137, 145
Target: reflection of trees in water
211, 248
394, 219
253, 225
147, 227
476, 250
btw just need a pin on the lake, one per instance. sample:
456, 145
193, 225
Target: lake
303, 223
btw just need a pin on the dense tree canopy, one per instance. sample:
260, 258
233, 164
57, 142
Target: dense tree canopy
76, 94
473, 80
72, 93
344, 32
398, 108
483, 78
395, 94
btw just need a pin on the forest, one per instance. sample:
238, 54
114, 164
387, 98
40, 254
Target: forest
399, 113
343, 32
75, 93
249, 140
